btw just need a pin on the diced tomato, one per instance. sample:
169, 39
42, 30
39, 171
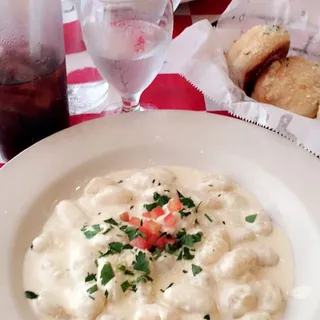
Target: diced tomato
134, 221
145, 231
157, 212
153, 239
147, 214
141, 243
124, 217
170, 220
174, 205
163, 241
152, 226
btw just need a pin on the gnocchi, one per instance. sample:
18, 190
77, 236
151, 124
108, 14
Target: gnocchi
158, 244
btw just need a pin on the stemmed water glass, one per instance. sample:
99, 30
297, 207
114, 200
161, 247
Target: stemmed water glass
127, 40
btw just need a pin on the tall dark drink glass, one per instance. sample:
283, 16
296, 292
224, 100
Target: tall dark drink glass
33, 101
33, 88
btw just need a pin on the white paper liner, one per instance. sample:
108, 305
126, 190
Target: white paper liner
198, 55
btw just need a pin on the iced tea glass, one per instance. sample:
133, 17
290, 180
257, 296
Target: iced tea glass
33, 88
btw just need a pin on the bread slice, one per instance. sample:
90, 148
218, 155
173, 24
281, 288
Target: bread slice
292, 84
254, 51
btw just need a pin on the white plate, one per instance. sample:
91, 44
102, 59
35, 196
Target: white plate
283, 177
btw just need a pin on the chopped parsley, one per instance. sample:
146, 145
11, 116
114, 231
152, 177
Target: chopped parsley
128, 285
124, 269
156, 254
141, 263
132, 232
91, 232
184, 271
106, 293
131, 207
169, 286
251, 218
31, 295
189, 239
198, 206
208, 217
188, 202
128, 272
144, 279
184, 213
106, 274
185, 254
90, 277
112, 222
206, 317
159, 201
184, 243
196, 269
121, 267
107, 230
93, 289
116, 247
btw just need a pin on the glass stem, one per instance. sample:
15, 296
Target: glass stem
131, 103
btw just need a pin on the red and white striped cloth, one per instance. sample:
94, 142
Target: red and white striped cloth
168, 91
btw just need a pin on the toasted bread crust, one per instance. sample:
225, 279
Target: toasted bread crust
292, 84
252, 75
254, 51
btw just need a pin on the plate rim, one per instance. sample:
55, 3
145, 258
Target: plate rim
24, 160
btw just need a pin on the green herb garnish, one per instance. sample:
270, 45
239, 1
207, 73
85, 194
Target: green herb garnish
93, 289
128, 285
186, 255
117, 247
132, 232
92, 232
144, 279
196, 269
106, 274
112, 222
208, 217
186, 201
251, 218
198, 206
90, 277
169, 286
31, 295
160, 201
141, 263
184, 213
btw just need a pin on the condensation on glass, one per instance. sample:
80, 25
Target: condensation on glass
33, 89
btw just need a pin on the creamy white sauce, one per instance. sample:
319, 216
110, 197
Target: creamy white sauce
246, 267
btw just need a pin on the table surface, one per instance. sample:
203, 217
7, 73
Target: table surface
168, 91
